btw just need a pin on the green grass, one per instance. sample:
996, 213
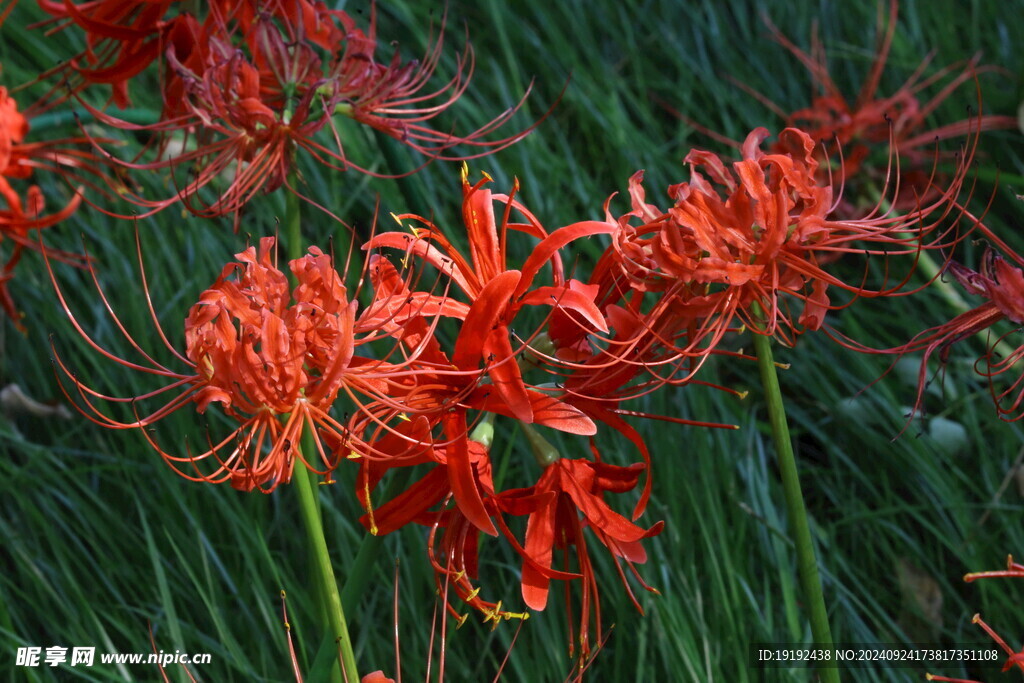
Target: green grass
103, 544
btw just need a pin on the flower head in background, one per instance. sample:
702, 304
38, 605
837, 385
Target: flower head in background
870, 121
122, 39
247, 86
1000, 282
856, 138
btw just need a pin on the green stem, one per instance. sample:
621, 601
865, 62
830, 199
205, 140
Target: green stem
304, 482
807, 565
293, 219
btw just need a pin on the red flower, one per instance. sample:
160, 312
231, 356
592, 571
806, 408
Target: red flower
1002, 286
900, 120
569, 498
122, 39
852, 129
398, 430
740, 246
250, 86
24, 211
274, 359
496, 292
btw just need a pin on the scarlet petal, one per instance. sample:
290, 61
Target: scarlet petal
505, 375
463, 478
540, 539
547, 410
478, 214
593, 508
548, 247
570, 299
551, 412
485, 314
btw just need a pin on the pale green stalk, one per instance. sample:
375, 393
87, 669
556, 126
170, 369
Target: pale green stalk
807, 564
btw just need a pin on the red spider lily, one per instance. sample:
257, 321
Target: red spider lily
861, 126
568, 498
496, 292
496, 295
444, 394
275, 359
871, 120
23, 213
461, 474
567, 489
446, 389
247, 87
122, 39
456, 493
1002, 286
741, 252
457, 565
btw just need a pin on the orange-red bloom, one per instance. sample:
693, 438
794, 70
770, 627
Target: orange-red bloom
497, 293
24, 210
122, 39
248, 86
274, 358
869, 121
849, 131
567, 499
746, 244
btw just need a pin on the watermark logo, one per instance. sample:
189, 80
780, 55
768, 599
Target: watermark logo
57, 655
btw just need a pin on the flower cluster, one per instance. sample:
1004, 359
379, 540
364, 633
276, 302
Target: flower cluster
273, 358
743, 246
245, 86
285, 361
416, 378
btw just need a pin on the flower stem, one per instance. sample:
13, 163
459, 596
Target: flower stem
807, 565
304, 483
292, 219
